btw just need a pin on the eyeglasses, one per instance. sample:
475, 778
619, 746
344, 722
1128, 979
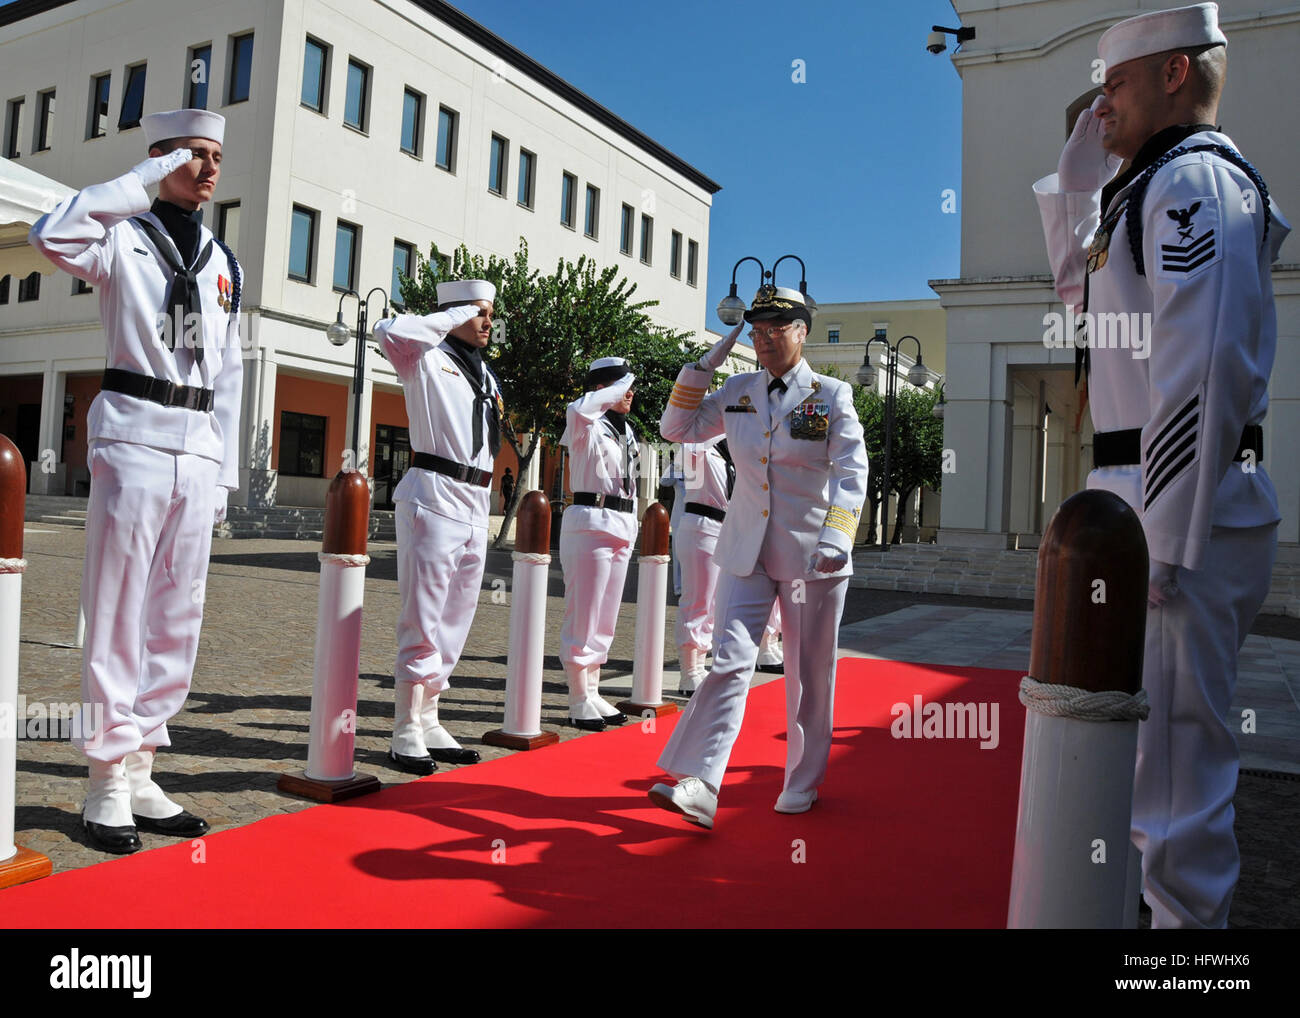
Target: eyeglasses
759, 332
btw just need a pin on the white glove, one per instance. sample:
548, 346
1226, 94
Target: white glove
717, 356
1085, 165
828, 560
1163, 583
219, 505
445, 321
155, 168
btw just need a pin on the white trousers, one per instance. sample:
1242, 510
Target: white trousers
701, 743
696, 540
440, 564
148, 537
1187, 748
595, 566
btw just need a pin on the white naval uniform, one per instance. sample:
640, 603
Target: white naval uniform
157, 473
1208, 290
441, 522
595, 543
791, 495
696, 539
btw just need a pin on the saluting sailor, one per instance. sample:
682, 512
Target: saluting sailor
1184, 237
598, 532
163, 454
801, 478
454, 405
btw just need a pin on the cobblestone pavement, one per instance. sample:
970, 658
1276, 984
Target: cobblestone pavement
246, 720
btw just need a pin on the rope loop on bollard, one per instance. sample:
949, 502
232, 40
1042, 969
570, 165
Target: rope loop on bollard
343, 560
655, 558
540, 558
1071, 702
13, 565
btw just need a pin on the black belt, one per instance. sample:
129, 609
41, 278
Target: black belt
1124, 448
623, 505
712, 512
156, 390
459, 471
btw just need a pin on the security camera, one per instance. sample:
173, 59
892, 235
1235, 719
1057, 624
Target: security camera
935, 42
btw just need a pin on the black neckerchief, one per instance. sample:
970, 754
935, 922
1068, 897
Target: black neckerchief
184, 227
626, 435
470, 360
1152, 149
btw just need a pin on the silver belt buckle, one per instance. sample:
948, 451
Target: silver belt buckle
600, 501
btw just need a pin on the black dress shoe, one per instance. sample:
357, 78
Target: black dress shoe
688, 693
183, 825
118, 840
588, 724
615, 719
413, 764
455, 755
771, 669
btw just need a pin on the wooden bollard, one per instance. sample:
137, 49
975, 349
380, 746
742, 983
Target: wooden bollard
1072, 859
330, 774
651, 608
522, 727
17, 864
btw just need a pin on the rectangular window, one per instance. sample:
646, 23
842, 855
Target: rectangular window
448, 120
97, 122
240, 80
132, 98
228, 224
200, 71
527, 170
568, 197
302, 244
13, 128
354, 104
403, 265
692, 261
881, 329
80, 286
315, 67
4, 289
45, 123
412, 121
625, 230
345, 256
647, 238
302, 445
675, 255
29, 288
833, 335
591, 218
497, 164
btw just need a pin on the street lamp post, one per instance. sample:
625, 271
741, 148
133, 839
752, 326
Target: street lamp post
918, 374
732, 308
338, 333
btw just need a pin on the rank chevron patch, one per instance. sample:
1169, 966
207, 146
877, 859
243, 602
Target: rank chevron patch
1171, 450
1192, 250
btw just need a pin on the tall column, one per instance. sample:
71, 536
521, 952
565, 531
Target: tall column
49, 472
256, 478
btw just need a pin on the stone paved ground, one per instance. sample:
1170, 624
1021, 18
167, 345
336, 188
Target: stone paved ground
246, 720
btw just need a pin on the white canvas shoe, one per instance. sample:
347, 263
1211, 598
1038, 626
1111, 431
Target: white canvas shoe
771, 654
690, 797
795, 802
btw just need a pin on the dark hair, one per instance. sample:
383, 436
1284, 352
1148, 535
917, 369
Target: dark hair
166, 145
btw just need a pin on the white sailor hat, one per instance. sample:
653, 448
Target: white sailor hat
1159, 31
183, 124
465, 291
604, 370
778, 302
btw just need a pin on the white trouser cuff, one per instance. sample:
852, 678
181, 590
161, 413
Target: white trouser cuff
109, 800
408, 731
147, 799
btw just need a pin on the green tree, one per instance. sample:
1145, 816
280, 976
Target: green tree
551, 328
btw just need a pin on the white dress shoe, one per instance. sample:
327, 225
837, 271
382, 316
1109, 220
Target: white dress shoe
795, 802
690, 797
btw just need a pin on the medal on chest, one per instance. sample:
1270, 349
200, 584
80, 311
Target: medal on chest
810, 421
1097, 250
225, 293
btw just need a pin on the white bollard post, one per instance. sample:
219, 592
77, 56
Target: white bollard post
81, 625
330, 775
17, 864
651, 610
523, 714
1072, 855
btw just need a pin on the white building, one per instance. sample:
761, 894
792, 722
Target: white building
358, 132
1022, 438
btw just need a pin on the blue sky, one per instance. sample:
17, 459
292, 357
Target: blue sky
846, 170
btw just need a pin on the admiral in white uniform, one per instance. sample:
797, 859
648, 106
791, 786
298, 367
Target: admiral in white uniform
454, 406
1185, 237
163, 454
597, 533
801, 475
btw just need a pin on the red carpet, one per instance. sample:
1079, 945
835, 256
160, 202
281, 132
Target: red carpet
907, 833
